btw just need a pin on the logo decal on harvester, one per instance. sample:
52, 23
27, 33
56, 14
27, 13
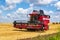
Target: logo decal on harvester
45, 18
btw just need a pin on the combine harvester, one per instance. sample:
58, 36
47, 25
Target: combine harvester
38, 21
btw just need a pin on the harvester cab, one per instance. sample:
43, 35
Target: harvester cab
38, 16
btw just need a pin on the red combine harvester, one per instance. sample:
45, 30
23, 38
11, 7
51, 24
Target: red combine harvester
38, 21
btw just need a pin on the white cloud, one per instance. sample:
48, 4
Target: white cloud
1, 6
8, 15
21, 10
58, 5
57, 16
48, 12
8, 7
31, 5
51, 12
0, 12
11, 4
13, 1
44, 1
11, 7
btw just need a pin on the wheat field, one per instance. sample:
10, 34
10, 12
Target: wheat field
8, 32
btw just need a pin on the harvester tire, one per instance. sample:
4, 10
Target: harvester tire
28, 29
42, 28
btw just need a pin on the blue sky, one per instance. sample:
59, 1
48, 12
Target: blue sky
11, 10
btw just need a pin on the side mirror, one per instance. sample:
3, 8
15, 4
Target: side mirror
48, 16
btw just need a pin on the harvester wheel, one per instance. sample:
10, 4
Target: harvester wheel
42, 28
46, 28
28, 29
